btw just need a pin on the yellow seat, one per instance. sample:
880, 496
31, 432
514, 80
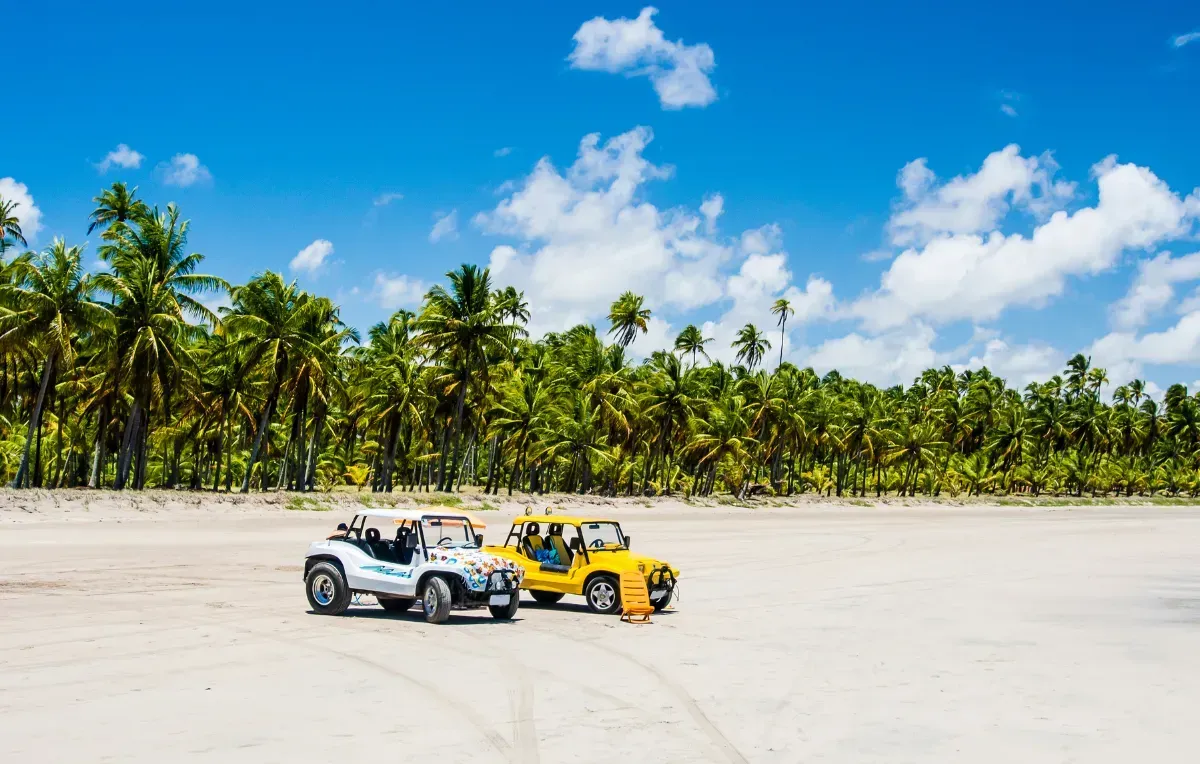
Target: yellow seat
635, 598
558, 545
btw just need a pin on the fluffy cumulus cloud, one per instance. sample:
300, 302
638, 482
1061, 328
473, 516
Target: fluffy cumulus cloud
311, 258
184, 170
122, 156
397, 291
1154, 289
445, 227
638, 48
890, 358
1018, 364
586, 236
959, 265
24, 209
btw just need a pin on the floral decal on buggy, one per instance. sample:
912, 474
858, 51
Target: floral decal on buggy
475, 566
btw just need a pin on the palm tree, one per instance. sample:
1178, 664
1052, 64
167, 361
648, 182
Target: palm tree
270, 322
152, 283
463, 328
751, 345
50, 306
782, 308
116, 205
692, 340
628, 317
10, 227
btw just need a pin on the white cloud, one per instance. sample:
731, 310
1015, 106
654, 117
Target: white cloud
385, 199
121, 156
587, 237
1008, 109
961, 272
502, 151
637, 48
1153, 289
1018, 365
397, 291
311, 258
26, 211
1180, 40
974, 203
446, 227
184, 170
1178, 344
711, 209
892, 358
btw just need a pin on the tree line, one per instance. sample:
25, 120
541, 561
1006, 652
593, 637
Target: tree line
124, 379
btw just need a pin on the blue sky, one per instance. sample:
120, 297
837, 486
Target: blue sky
346, 133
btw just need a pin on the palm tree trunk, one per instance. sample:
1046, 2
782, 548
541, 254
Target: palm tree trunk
458, 434
96, 478
34, 421
264, 422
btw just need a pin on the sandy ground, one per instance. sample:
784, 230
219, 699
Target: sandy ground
818, 634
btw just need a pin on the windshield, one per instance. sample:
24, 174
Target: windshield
602, 535
449, 532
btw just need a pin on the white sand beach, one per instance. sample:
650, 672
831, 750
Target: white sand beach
141, 630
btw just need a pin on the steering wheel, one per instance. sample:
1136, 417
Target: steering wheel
445, 539
597, 544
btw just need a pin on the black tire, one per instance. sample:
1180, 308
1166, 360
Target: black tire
509, 611
327, 590
395, 604
661, 605
435, 601
546, 598
603, 595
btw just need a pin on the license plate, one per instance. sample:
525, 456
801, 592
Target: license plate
499, 599
658, 594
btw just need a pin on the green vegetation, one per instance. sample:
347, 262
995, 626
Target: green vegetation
125, 379
306, 504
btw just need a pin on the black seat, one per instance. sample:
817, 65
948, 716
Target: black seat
373, 546
404, 546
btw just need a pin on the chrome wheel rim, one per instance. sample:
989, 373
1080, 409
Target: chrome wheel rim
603, 595
430, 601
322, 589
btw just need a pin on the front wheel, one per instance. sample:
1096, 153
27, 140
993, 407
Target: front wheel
436, 601
509, 611
661, 605
327, 590
603, 595
546, 598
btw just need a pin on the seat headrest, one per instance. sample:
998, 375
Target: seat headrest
532, 529
372, 534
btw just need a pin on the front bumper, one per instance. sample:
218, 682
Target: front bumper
501, 583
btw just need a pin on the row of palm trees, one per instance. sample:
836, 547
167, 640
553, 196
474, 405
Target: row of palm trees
125, 379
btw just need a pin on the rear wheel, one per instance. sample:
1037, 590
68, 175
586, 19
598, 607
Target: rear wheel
395, 604
603, 595
436, 601
546, 598
509, 611
327, 590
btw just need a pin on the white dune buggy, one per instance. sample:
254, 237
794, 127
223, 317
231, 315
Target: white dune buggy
402, 556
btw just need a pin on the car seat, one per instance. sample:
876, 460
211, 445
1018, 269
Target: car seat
404, 551
532, 543
374, 546
555, 541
